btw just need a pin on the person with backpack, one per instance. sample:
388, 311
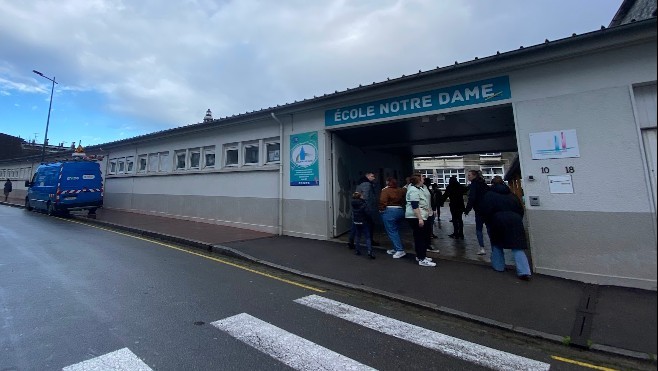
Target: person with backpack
361, 224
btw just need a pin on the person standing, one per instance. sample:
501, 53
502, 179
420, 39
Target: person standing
427, 183
437, 202
8, 189
503, 213
455, 192
417, 211
360, 223
476, 190
391, 207
366, 187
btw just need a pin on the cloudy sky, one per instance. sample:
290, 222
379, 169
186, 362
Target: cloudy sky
126, 68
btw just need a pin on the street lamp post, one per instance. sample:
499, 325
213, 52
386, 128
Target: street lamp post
52, 89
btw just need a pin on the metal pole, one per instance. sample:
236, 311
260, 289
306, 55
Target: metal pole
45, 138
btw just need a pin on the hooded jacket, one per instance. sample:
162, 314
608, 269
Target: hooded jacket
503, 213
367, 190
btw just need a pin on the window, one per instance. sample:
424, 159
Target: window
209, 157
231, 154
443, 176
489, 172
428, 173
130, 164
122, 165
113, 166
164, 164
195, 158
251, 153
141, 164
153, 163
180, 159
273, 152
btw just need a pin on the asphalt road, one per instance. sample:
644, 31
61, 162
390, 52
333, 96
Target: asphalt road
73, 296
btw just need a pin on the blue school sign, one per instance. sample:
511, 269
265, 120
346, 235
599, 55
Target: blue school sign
483, 91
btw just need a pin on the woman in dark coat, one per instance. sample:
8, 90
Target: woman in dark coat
503, 213
455, 192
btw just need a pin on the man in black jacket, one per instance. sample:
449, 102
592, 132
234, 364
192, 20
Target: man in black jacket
476, 191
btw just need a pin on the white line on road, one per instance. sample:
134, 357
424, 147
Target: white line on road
122, 359
467, 351
288, 348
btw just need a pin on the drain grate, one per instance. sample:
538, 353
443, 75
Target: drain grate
582, 325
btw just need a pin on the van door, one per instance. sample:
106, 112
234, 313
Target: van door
44, 187
80, 183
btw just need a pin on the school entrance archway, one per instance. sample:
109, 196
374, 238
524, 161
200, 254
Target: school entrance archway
389, 149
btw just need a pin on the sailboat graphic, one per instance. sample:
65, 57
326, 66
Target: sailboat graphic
555, 144
302, 154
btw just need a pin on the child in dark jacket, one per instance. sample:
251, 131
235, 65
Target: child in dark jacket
360, 221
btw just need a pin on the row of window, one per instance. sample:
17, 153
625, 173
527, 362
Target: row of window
249, 153
442, 176
488, 154
15, 174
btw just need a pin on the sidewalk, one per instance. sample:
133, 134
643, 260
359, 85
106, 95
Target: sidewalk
612, 319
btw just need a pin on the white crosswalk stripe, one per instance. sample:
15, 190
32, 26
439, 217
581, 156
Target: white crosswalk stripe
467, 351
292, 350
120, 360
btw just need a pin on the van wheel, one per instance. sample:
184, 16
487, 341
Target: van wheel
51, 210
28, 207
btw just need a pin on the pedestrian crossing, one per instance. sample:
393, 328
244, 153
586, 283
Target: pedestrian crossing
288, 348
120, 360
465, 350
301, 354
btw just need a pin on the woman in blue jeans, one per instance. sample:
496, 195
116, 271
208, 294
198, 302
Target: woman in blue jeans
391, 208
503, 213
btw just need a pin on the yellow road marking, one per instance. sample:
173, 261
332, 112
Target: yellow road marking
203, 256
588, 365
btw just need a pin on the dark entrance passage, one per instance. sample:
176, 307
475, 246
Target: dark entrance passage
479, 130
390, 148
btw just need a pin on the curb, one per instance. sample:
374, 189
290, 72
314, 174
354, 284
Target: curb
228, 251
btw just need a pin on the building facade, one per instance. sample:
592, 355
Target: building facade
575, 110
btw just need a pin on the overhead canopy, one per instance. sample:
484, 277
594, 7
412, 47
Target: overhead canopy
478, 130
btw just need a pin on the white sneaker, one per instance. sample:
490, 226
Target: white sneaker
426, 258
399, 254
390, 252
426, 263
481, 252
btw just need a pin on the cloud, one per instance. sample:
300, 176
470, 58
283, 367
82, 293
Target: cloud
165, 63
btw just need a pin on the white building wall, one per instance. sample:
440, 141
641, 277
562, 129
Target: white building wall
604, 232
244, 196
306, 211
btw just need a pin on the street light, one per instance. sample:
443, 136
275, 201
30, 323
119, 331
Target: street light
45, 138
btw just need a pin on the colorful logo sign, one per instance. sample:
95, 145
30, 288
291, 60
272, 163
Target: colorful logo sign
304, 169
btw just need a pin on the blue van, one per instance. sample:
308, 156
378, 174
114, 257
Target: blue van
63, 186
